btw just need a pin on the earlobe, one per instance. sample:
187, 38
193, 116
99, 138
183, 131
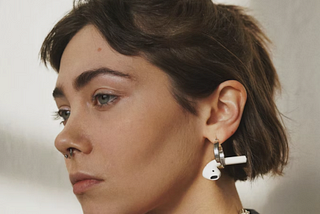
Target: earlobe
226, 106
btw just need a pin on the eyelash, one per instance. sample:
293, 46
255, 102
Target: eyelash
58, 115
111, 98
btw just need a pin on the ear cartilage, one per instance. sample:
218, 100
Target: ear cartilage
235, 160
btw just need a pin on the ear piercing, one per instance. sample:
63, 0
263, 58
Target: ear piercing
218, 153
219, 156
211, 171
70, 153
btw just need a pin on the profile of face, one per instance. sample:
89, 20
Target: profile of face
134, 147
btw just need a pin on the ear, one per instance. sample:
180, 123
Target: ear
222, 110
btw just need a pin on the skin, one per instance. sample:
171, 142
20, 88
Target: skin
145, 148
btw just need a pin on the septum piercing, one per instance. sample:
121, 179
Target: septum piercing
70, 153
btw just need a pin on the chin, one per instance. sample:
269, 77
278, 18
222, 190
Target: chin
90, 206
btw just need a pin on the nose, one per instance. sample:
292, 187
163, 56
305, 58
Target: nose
73, 136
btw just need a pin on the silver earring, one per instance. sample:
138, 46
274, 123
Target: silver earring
66, 156
211, 171
218, 153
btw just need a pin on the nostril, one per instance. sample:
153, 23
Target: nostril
72, 141
70, 152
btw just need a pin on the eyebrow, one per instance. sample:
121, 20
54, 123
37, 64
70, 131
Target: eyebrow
84, 79
58, 92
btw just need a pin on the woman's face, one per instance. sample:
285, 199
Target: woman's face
135, 148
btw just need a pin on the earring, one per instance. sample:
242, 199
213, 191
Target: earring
211, 171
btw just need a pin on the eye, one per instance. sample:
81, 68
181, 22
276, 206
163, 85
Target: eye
63, 114
104, 99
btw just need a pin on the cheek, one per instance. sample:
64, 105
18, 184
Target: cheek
146, 132
146, 149
146, 155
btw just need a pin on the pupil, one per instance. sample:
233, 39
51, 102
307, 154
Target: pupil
104, 98
66, 114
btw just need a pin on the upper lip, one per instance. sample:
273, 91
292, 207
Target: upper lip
76, 177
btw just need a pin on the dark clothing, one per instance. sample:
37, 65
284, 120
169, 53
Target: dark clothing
252, 211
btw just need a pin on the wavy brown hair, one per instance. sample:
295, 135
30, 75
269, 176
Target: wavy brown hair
199, 45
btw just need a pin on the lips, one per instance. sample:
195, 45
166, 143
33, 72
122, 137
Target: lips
83, 182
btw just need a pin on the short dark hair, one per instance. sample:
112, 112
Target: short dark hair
199, 45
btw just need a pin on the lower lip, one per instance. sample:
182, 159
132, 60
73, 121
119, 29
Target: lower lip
84, 185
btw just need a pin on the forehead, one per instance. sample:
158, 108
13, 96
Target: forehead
88, 50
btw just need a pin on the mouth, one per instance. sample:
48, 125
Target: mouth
83, 182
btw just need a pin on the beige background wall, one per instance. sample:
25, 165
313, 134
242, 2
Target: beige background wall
294, 28
32, 174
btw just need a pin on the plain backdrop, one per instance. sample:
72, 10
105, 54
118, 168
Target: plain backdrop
33, 178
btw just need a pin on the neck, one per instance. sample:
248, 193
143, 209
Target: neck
206, 197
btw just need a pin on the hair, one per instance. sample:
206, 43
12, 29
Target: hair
199, 45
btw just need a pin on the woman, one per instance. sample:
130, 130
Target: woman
153, 95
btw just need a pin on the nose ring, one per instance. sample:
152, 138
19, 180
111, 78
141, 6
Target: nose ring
70, 153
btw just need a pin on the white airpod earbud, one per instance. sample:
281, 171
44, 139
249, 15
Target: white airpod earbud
211, 171
235, 160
